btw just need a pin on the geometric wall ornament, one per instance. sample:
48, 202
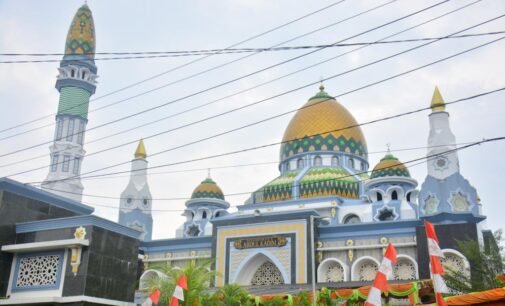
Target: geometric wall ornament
386, 213
267, 274
38, 271
367, 270
334, 273
404, 270
431, 204
459, 201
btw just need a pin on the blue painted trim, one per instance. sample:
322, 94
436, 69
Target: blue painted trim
451, 217
75, 83
19, 257
79, 60
88, 220
44, 196
371, 229
264, 217
305, 201
71, 117
192, 243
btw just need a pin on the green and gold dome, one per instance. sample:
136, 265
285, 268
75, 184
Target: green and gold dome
322, 124
389, 166
81, 34
208, 189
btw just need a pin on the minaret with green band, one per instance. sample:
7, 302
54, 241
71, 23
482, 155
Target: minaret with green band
76, 83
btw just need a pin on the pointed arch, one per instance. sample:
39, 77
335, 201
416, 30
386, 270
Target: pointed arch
249, 265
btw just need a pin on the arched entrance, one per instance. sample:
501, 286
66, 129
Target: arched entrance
260, 270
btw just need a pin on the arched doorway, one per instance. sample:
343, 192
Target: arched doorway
259, 270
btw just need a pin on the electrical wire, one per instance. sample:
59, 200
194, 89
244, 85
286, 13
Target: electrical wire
185, 64
226, 167
253, 50
255, 72
276, 116
233, 110
262, 146
244, 90
414, 162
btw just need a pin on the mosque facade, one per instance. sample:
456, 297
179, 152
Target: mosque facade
325, 219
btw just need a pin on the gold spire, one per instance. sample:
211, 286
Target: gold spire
437, 102
141, 150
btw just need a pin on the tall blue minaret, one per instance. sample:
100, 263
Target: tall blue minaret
445, 196
76, 83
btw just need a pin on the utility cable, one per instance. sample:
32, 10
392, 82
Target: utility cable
256, 50
184, 64
244, 90
250, 74
173, 101
261, 146
414, 162
276, 116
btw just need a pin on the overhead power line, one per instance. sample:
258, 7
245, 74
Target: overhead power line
252, 50
255, 147
261, 101
268, 163
232, 167
412, 162
279, 115
231, 62
244, 90
187, 63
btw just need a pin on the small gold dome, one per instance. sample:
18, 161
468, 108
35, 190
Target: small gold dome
389, 166
321, 125
208, 189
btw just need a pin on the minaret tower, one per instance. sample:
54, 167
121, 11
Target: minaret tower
76, 83
445, 196
135, 207
440, 140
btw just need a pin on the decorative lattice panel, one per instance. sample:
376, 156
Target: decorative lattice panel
404, 270
334, 273
267, 274
367, 271
454, 263
35, 271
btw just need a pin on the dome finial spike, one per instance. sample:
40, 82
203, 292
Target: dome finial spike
321, 87
437, 102
208, 173
388, 145
140, 152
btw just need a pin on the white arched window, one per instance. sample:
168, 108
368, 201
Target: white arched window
351, 163
334, 161
299, 163
318, 161
351, 219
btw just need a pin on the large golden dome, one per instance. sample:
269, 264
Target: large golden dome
322, 125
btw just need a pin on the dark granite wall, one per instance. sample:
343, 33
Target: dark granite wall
13, 209
447, 234
108, 266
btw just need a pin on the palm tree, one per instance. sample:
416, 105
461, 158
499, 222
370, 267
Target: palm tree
198, 278
231, 295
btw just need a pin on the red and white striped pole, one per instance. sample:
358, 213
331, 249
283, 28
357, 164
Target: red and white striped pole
380, 284
437, 270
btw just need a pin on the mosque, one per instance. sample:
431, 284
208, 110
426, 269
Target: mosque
326, 218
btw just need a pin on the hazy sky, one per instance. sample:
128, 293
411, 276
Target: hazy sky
27, 90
